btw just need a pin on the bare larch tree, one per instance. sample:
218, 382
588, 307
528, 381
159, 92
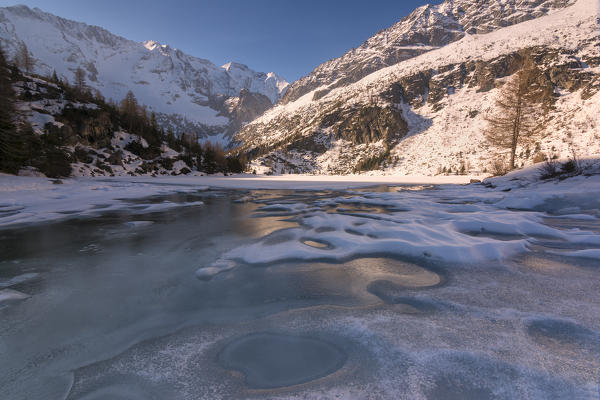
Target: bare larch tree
514, 120
23, 59
79, 80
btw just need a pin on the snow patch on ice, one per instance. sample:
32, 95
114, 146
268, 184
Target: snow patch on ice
219, 266
7, 295
18, 279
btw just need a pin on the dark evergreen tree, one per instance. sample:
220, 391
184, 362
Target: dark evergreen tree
11, 144
153, 123
129, 111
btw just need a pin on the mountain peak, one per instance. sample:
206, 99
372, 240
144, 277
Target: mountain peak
151, 44
20, 7
25, 11
233, 65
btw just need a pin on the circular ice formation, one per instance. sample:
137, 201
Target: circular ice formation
270, 360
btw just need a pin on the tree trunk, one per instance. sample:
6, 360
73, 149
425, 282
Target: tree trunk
513, 150
516, 126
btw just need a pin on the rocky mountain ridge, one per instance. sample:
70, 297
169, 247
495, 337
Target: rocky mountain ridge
427, 28
427, 114
187, 93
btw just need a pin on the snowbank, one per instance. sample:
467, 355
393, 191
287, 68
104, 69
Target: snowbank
457, 223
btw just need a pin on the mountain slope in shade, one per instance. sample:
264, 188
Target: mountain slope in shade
425, 29
182, 88
427, 114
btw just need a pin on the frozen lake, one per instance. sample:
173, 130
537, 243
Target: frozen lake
391, 292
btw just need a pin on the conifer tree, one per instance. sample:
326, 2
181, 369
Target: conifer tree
153, 122
11, 145
130, 111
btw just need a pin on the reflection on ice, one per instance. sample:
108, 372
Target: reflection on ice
262, 225
317, 243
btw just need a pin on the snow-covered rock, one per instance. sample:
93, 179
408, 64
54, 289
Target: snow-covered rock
426, 114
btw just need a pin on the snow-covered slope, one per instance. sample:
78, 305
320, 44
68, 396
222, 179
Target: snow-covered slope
427, 113
425, 29
168, 81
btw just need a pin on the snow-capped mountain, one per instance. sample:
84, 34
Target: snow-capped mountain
426, 113
186, 91
427, 28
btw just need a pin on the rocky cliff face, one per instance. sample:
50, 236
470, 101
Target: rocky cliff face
427, 28
427, 113
186, 91
368, 124
245, 108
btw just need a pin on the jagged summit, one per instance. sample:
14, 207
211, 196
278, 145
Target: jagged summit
186, 91
426, 28
151, 45
233, 65
36, 15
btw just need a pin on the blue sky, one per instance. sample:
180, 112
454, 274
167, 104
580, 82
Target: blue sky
289, 37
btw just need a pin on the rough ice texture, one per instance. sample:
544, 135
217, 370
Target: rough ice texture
526, 327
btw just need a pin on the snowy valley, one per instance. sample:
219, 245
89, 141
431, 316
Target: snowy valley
362, 236
412, 100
